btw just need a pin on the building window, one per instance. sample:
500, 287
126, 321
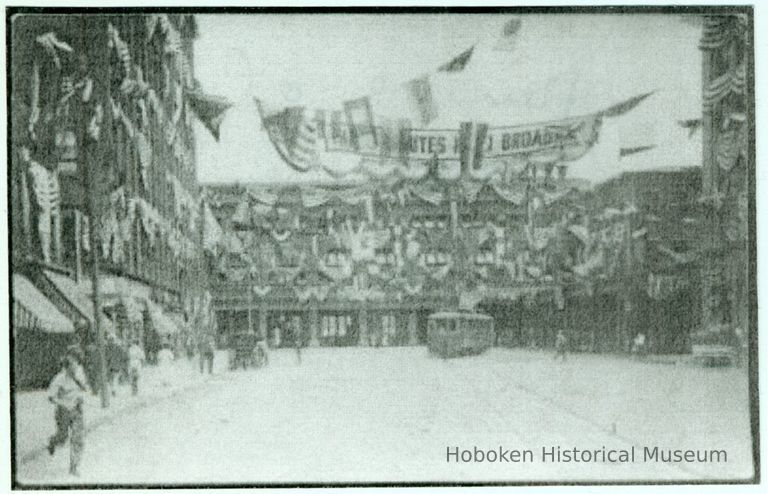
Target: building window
388, 328
485, 257
335, 258
436, 258
385, 257
335, 326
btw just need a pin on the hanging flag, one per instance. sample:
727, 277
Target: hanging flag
338, 135
293, 135
634, 150
420, 95
320, 125
208, 109
404, 140
692, 125
625, 106
509, 35
458, 63
388, 138
362, 131
480, 136
472, 138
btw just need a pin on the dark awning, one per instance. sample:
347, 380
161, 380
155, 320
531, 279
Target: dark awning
41, 311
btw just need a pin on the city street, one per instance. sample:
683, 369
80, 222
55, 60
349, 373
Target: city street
389, 414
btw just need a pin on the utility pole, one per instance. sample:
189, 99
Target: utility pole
90, 155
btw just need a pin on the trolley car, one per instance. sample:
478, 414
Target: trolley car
456, 334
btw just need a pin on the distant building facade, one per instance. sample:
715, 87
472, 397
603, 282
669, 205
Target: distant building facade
365, 264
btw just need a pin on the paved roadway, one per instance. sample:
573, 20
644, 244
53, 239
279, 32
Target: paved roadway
388, 415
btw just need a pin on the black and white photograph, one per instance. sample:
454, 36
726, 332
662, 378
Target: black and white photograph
394, 246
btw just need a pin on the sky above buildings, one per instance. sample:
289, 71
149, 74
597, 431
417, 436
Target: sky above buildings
558, 66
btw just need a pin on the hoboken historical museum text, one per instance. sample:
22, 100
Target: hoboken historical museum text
560, 454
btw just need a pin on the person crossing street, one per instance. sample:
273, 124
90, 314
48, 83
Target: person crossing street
66, 392
206, 350
561, 345
136, 359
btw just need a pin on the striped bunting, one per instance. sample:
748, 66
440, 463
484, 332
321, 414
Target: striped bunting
294, 136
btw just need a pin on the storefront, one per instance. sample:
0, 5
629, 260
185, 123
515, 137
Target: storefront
41, 334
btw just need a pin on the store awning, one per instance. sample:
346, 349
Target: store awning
79, 295
162, 323
38, 308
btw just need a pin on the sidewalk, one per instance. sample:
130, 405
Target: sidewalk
34, 422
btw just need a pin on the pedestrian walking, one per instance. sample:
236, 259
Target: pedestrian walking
298, 344
561, 345
190, 347
67, 391
206, 351
638, 346
117, 362
136, 359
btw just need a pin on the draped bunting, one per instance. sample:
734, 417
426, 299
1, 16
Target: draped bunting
45, 185
116, 227
538, 238
185, 205
293, 135
144, 152
594, 262
420, 93
719, 30
512, 193
212, 232
121, 51
661, 286
319, 293
85, 229
263, 196
730, 145
731, 82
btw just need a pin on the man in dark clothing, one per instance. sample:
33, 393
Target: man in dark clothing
117, 363
206, 350
561, 345
298, 343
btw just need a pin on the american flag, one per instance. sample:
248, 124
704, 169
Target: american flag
294, 135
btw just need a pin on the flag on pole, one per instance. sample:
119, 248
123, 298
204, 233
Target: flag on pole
320, 124
625, 106
293, 135
388, 138
362, 131
509, 35
692, 125
337, 136
404, 140
420, 94
471, 140
634, 150
458, 63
